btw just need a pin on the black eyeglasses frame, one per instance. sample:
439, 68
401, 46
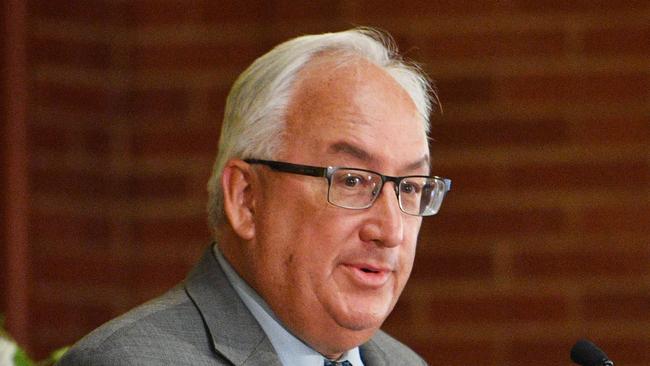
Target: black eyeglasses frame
327, 172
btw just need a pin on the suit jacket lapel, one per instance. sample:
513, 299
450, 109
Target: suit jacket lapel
372, 354
235, 332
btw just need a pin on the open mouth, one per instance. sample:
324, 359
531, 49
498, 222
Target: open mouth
368, 276
368, 270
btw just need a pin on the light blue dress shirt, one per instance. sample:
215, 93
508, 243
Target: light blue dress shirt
291, 350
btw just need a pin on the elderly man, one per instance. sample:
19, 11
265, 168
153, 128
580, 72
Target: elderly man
316, 200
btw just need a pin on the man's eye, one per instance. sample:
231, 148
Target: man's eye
352, 181
409, 188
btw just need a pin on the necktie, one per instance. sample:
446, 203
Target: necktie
334, 363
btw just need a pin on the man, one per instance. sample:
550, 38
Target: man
316, 200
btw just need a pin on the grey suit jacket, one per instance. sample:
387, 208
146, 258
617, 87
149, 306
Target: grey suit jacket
201, 322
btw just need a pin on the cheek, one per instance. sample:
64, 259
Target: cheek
300, 225
322, 237
409, 246
298, 197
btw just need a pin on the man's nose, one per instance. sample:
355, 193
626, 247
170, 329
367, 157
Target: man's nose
386, 225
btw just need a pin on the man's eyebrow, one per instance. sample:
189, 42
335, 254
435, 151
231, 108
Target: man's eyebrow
424, 162
347, 148
359, 153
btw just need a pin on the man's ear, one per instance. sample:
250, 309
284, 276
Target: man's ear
238, 200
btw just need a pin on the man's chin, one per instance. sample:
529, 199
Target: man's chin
355, 327
359, 321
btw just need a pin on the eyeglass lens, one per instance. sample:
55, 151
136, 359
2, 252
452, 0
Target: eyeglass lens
357, 189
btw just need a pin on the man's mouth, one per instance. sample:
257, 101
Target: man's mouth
368, 276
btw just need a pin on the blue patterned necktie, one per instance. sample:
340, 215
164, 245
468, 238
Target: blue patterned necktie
334, 363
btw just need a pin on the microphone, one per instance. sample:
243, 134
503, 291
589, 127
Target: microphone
585, 353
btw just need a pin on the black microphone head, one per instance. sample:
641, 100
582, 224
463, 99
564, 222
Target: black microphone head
585, 353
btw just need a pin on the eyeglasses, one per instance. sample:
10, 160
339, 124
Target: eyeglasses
357, 189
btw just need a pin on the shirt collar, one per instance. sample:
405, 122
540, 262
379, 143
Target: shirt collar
290, 349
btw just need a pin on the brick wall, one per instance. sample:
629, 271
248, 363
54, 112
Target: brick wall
544, 238
3, 203
3, 248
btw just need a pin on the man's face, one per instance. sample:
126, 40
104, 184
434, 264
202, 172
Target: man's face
333, 275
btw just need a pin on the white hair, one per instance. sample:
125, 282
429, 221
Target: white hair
254, 117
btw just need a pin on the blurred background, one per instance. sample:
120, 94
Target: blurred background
110, 120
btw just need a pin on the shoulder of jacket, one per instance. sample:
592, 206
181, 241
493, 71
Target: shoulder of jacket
132, 333
394, 351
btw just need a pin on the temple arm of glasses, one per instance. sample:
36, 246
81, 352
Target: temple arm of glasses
290, 168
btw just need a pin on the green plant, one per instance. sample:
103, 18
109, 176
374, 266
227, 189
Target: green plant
11, 354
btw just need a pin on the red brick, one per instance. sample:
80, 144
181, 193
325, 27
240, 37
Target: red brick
284, 10
177, 142
618, 306
48, 138
74, 97
50, 133
73, 183
501, 221
89, 269
96, 142
239, 12
152, 12
573, 265
155, 102
170, 233
71, 53
539, 352
444, 266
387, 9
612, 87
612, 130
618, 41
626, 243
632, 218
106, 185
202, 55
152, 278
4, 200
626, 350
216, 99
46, 314
457, 352
466, 90
3, 262
574, 176
457, 133
97, 12
490, 44
498, 308
64, 232
580, 6
155, 186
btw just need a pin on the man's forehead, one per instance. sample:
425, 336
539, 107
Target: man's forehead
357, 110
327, 86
